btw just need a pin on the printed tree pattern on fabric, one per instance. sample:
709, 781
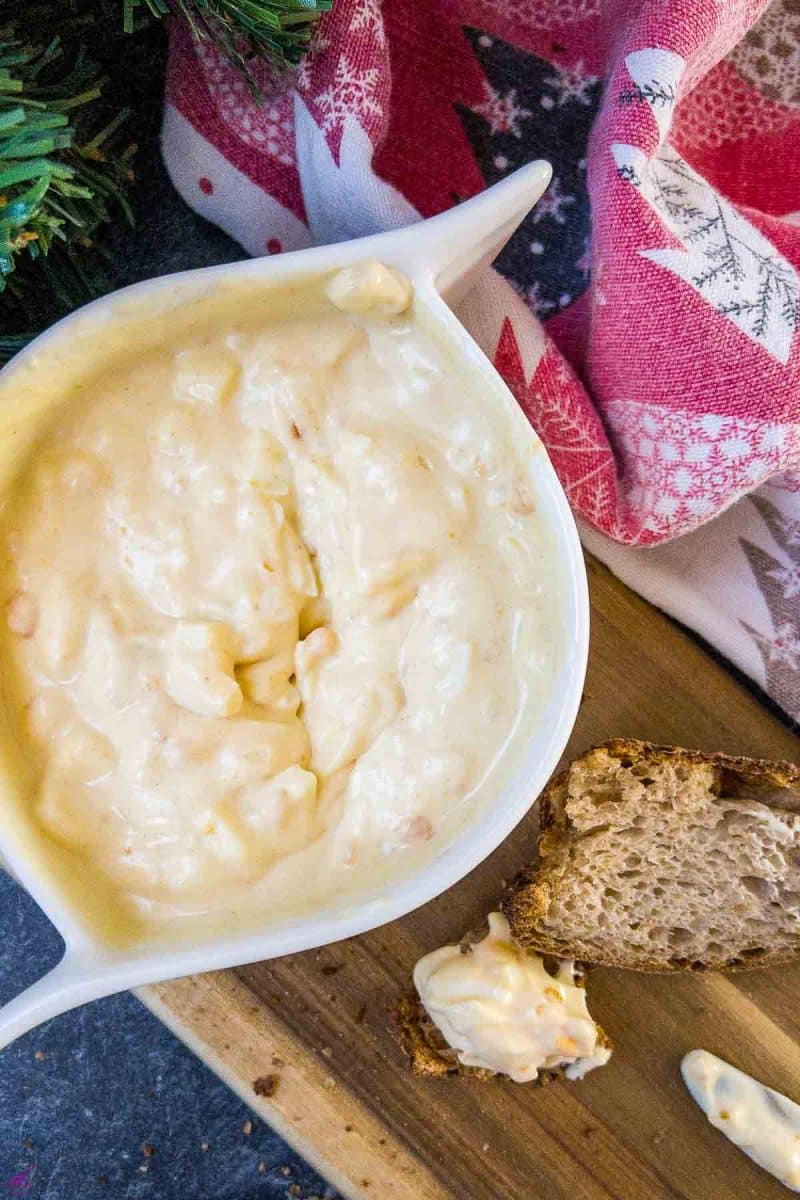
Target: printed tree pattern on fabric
530, 109
663, 260
778, 580
723, 256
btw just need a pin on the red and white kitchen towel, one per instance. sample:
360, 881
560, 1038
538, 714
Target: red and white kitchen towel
645, 314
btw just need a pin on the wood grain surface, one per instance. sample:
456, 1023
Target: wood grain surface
316, 1024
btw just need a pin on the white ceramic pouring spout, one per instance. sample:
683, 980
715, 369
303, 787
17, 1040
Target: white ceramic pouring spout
464, 240
442, 256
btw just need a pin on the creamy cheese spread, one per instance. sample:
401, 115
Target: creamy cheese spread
502, 1010
763, 1123
278, 603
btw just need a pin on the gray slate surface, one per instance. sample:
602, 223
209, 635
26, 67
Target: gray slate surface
82, 1094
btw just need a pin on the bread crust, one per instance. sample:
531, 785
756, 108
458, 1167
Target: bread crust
780, 773
423, 1045
531, 893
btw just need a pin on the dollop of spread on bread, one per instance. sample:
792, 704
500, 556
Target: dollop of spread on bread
502, 1010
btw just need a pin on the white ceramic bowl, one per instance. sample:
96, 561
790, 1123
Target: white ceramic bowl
442, 257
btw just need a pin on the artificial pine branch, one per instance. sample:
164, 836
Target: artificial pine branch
246, 30
63, 165
62, 176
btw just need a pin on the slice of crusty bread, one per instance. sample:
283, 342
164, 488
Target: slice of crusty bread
662, 859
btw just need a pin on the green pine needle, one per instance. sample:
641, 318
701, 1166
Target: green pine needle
64, 165
276, 30
62, 177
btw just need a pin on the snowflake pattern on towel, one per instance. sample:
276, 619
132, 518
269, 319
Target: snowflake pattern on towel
266, 126
367, 16
540, 13
502, 111
682, 467
345, 77
531, 107
568, 85
351, 92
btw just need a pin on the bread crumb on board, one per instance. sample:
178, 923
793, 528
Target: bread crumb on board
266, 1085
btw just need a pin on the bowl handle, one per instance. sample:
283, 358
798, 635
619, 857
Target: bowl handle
457, 245
69, 984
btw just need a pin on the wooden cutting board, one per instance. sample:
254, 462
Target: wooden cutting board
313, 1027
